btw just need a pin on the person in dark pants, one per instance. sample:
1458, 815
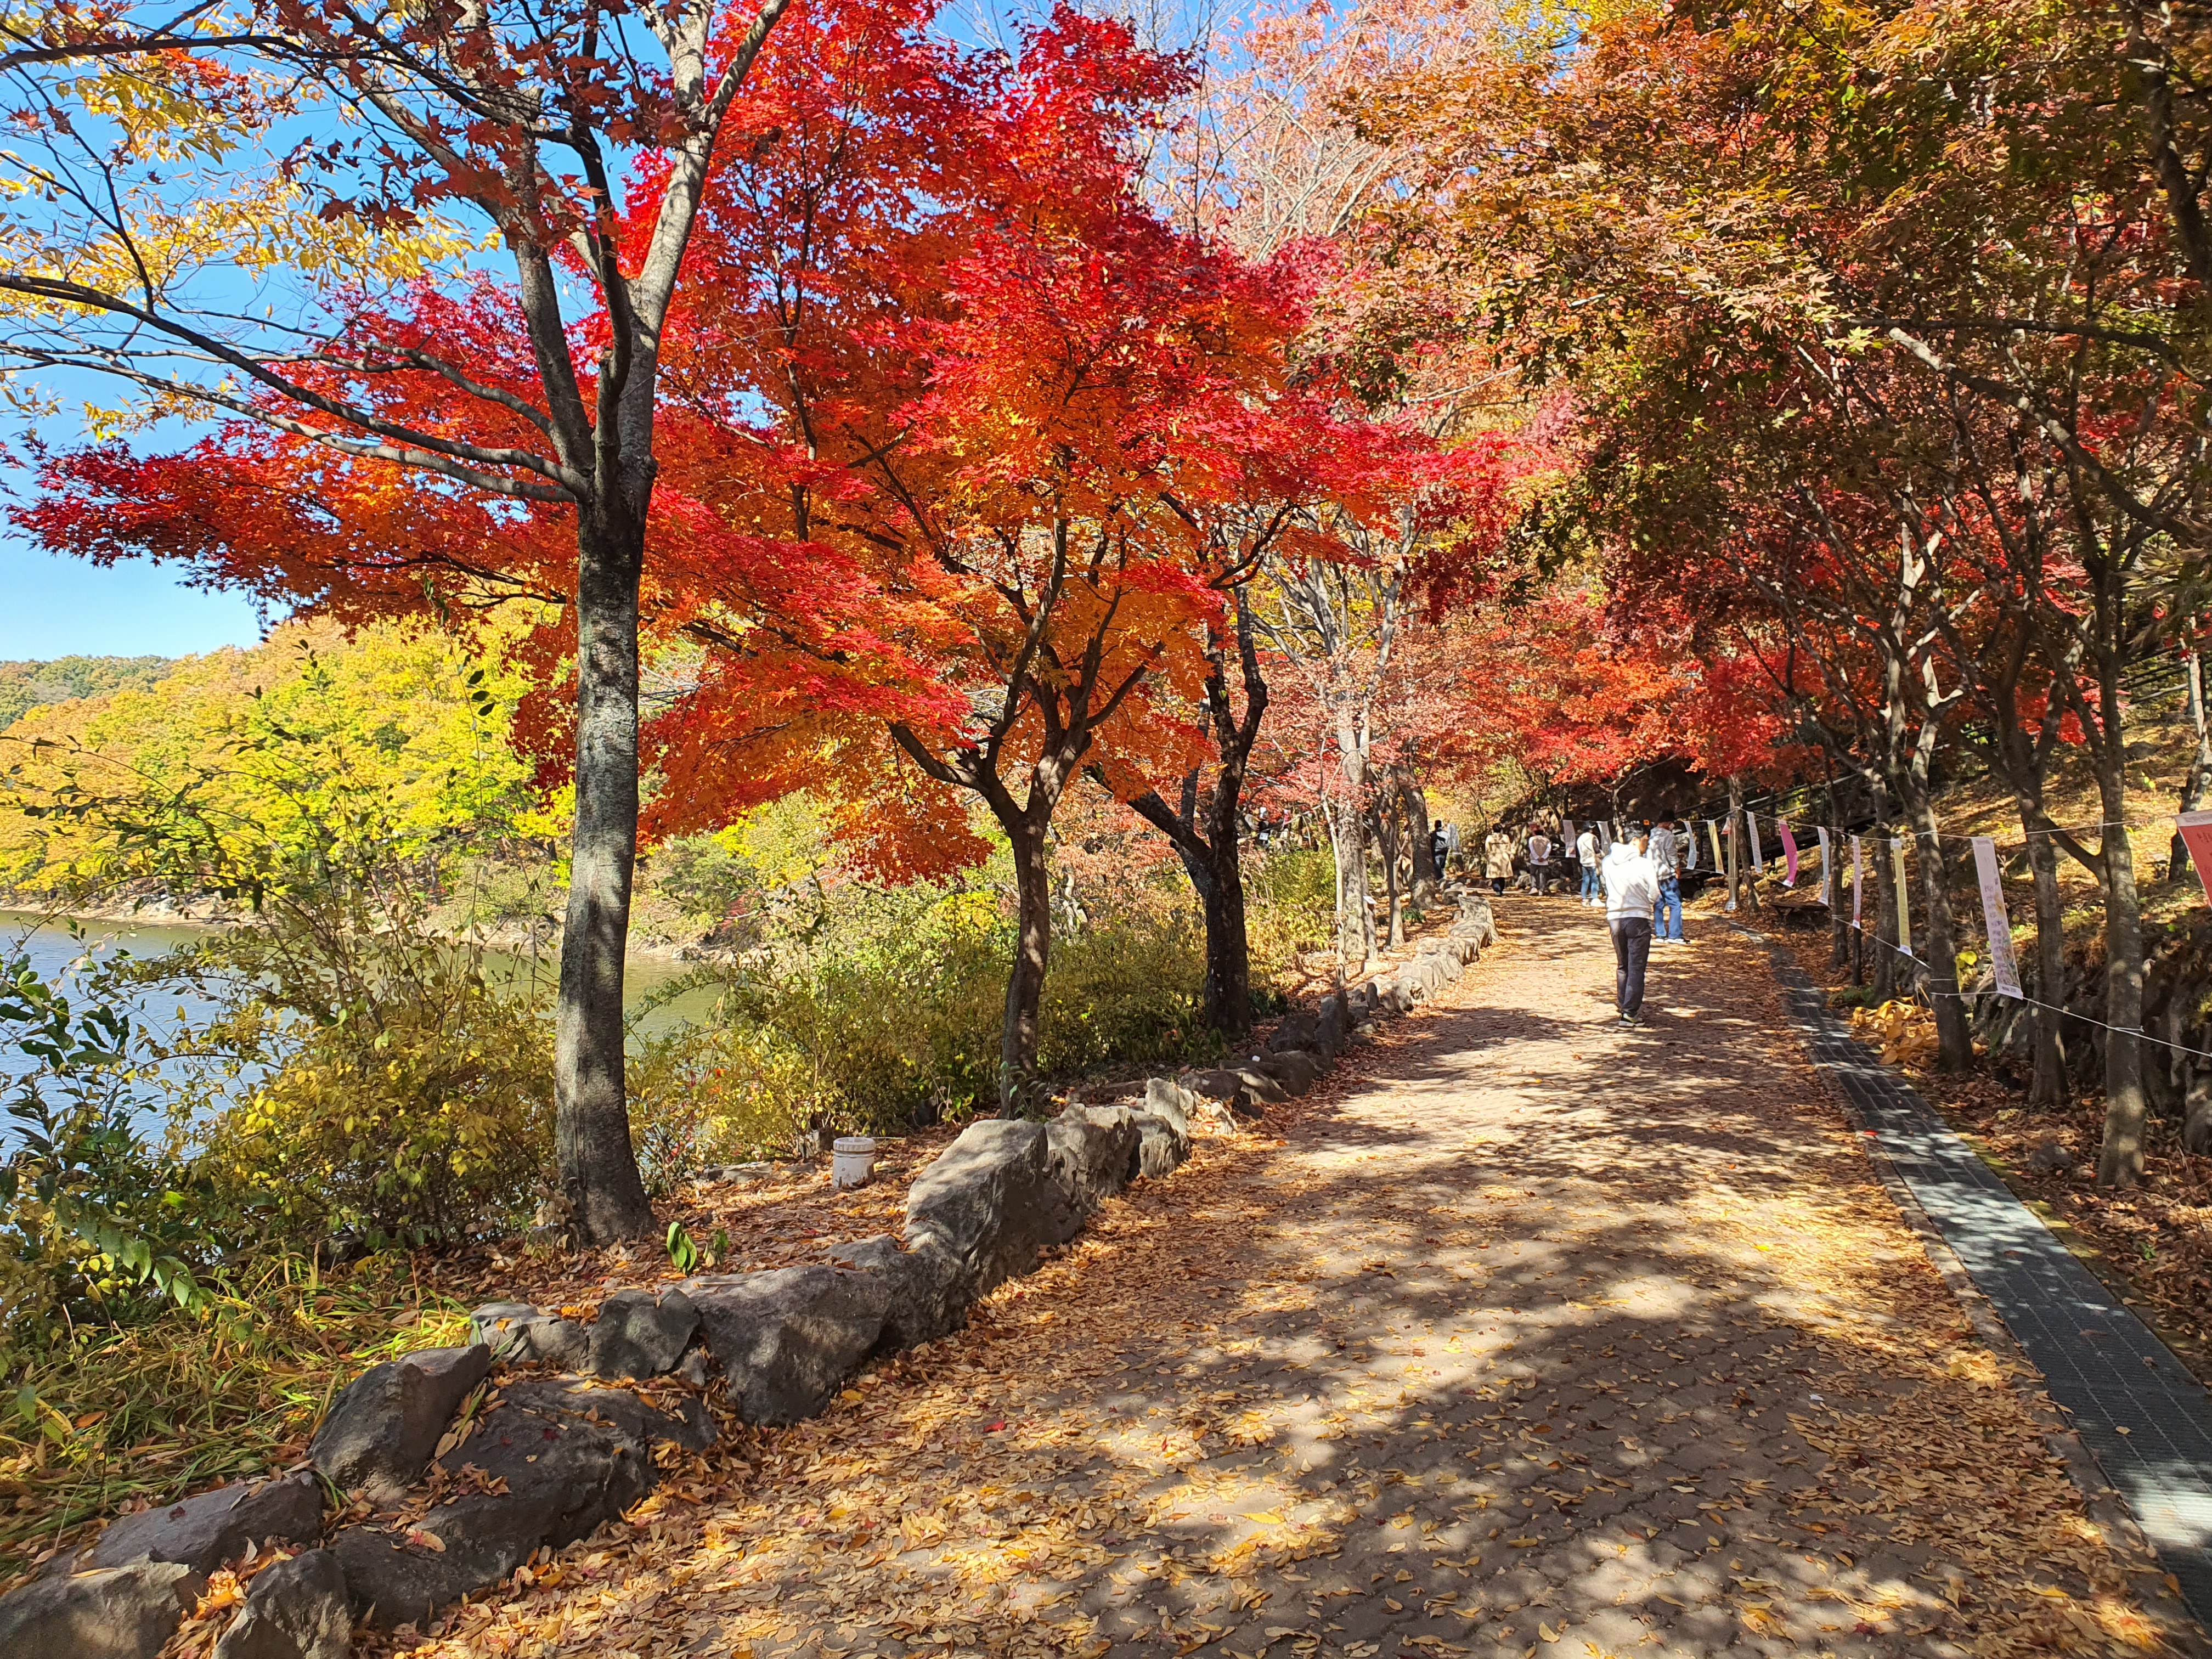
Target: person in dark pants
1631, 888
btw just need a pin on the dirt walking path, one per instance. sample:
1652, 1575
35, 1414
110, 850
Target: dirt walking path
1526, 1336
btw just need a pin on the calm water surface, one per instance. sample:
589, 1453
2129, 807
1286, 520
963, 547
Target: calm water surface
53, 949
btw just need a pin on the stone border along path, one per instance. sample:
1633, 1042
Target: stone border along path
2142, 1413
1523, 1337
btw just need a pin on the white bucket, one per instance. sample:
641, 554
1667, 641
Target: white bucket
852, 1161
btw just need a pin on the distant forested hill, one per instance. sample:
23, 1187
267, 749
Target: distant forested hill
25, 685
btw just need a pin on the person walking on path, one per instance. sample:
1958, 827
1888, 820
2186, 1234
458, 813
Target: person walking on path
1631, 889
1666, 862
1539, 859
1498, 860
1586, 850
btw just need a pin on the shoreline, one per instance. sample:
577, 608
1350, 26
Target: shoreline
513, 938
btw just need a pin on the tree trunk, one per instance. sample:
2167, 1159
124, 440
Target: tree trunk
1730, 846
1425, 873
1832, 876
1228, 948
2050, 1089
1954, 1037
2120, 1161
1355, 926
1885, 940
1017, 1045
598, 1172
2200, 769
1386, 841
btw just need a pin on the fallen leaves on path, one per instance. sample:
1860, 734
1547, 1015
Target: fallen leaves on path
1643, 1362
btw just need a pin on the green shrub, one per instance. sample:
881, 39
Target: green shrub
426, 1114
98, 1224
1290, 906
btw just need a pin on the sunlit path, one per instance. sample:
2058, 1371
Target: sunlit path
1534, 1336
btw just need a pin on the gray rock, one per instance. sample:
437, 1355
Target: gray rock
786, 1339
992, 1201
1093, 1150
381, 1433
693, 1368
1296, 1070
573, 1456
1333, 1027
1475, 922
115, 1612
638, 1335
204, 1532
1168, 1100
1395, 997
1295, 1029
2051, 1159
296, 1609
1162, 1145
1260, 1077
1227, 1095
518, 1333
922, 1284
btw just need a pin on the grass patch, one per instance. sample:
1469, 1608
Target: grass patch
158, 1410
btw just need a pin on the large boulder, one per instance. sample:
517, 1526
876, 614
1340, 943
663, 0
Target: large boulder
1166, 1099
113, 1613
1225, 1096
519, 1333
1296, 1030
786, 1338
639, 1335
992, 1201
553, 1460
381, 1433
1093, 1150
1475, 922
1295, 1071
923, 1286
1396, 996
1161, 1143
296, 1609
204, 1532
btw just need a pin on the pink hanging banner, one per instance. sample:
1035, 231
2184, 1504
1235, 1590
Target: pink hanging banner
1788, 853
2196, 831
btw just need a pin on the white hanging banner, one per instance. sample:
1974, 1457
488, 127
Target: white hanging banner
2002, 965
1858, 879
1713, 829
2195, 829
1757, 852
1903, 899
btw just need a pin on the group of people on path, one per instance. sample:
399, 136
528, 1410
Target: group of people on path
1638, 880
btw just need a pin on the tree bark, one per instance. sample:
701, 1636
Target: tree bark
1018, 1048
598, 1172
1954, 1036
1421, 833
1885, 938
1732, 845
2200, 769
2050, 1088
1386, 841
1214, 861
2120, 1159
1355, 925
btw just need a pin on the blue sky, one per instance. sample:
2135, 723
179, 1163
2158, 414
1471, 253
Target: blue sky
54, 606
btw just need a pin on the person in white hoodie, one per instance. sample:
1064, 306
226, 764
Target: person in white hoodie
1631, 888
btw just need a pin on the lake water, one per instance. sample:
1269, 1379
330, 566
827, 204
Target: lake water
52, 949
